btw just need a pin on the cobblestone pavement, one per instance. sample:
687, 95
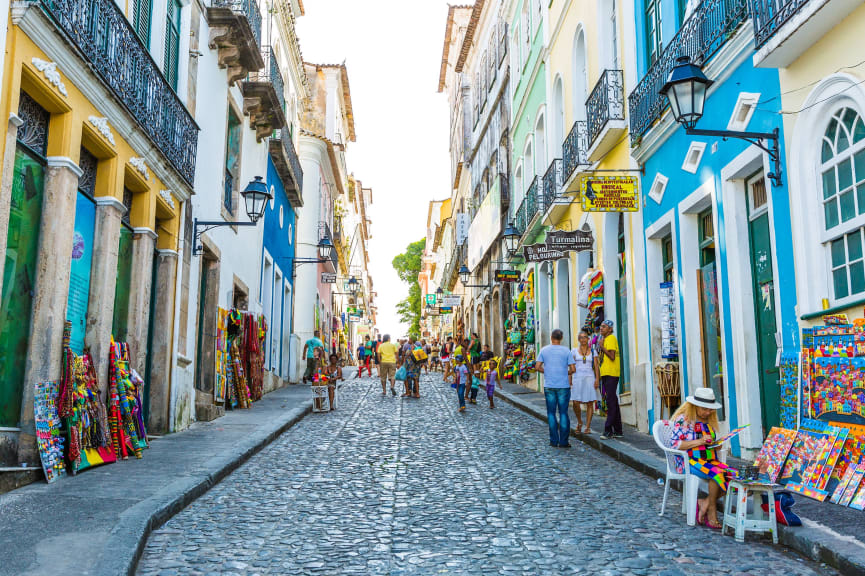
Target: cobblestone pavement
398, 486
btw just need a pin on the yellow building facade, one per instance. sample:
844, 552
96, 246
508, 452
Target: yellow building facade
93, 187
589, 67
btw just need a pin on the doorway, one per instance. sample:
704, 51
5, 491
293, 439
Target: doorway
710, 309
763, 281
208, 304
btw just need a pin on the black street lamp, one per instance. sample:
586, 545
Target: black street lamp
255, 198
440, 292
465, 273
686, 91
512, 239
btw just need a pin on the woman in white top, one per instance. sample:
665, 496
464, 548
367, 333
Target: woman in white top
584, 381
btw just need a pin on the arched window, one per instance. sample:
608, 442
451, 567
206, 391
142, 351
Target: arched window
540, 145
558, 118
843, 193
579, 74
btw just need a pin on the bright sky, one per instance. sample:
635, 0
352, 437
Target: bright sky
392, 49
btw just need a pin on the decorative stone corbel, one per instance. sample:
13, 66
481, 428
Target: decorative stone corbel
101, 124
49, 70
138, 164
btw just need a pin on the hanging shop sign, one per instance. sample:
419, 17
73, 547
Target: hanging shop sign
430, 299
508, 275
450, 301
446, 310
328, 278
541, 253
669, 344
463, 222
610, 194
577, 241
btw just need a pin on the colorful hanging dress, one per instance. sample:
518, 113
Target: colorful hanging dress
702, 462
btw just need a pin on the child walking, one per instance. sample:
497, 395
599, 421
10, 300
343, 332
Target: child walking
491, 381
461, 375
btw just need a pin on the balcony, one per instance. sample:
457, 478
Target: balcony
574, 151
235, 33
287, 164
324, 232
264, 96
554, 204
700, 37
784, 29
606, 114
525, 214
114, 52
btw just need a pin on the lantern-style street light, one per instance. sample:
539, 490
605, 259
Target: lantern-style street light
512, 239
255, 198
686, 91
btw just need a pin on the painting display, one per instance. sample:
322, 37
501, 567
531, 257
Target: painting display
774, 452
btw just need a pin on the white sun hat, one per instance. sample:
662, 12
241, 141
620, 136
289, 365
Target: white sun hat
704, 398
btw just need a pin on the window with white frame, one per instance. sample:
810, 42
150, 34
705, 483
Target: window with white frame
843, 194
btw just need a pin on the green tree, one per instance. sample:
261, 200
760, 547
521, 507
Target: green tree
408, 266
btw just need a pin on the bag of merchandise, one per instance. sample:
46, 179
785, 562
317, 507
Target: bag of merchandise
402, 373
419, 354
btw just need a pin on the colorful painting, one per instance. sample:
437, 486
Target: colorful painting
820, 478
789, 389
774, 452
804, 451
837, 390
858, 501
838, 493
852, 486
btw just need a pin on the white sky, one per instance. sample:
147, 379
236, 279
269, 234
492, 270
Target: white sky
392, 49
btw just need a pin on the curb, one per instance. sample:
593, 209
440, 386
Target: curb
126, 542
812, 540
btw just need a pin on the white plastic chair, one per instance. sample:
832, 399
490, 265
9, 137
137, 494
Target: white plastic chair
662, 431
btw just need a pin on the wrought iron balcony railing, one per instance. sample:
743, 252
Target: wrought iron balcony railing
552, 183
103, 35
270, 74
700, 37
293, 160
248, 9
575, 148
287, 165
606, 102
770, 15
528, 208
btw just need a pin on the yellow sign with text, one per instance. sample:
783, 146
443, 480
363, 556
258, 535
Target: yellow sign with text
610, 194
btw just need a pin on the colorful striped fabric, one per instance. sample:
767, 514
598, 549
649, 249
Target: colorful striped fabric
596, 291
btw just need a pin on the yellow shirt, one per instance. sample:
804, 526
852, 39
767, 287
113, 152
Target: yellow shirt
387, 351
458, 351
610, 367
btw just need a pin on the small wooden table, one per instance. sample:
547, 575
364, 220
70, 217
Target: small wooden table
739, 520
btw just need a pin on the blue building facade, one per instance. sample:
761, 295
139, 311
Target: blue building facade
719, 251
276, 288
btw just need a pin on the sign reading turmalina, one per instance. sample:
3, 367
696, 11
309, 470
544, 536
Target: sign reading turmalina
541, 253
610, 194
577, 241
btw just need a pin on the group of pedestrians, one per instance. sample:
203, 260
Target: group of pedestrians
583, 375
468, 366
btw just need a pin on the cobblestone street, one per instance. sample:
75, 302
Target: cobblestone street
386, 485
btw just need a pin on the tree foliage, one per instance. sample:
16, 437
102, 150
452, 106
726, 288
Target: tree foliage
408, 266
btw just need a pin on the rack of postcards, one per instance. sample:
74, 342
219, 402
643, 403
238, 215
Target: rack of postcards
818, 451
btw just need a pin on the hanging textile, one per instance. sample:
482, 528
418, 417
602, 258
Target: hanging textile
128, 428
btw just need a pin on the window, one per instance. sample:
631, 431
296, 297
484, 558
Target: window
172, 43
843, 194
667, 258
527, 34
232, 159
707, 237
654, 41
141, 10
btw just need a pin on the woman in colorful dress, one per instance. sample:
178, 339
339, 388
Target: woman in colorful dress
584, 381
694, 426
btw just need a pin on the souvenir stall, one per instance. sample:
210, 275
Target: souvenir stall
240, 338
818, 450
520, 350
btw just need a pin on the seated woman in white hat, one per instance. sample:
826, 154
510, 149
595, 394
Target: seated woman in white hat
694, 426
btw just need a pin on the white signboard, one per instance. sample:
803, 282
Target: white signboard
486, 226
450, 301
462, 228
328, 278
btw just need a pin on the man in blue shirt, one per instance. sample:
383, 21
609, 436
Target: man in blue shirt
556, 363
310, 350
